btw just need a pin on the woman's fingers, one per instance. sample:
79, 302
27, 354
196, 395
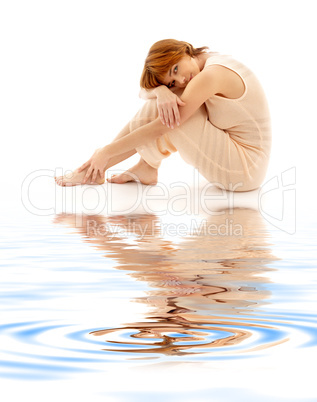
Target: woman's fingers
161, 114
89, 171
86, 164
168, 108
177, 115
171, 118
165, 116
94, 175
180, 102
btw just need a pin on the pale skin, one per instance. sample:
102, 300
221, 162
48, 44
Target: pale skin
198, 84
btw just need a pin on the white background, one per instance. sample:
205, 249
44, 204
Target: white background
70, 74
69, 81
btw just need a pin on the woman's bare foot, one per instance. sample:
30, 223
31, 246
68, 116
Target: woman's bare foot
142, 171
75, 179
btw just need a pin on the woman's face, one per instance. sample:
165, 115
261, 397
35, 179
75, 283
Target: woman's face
182, 72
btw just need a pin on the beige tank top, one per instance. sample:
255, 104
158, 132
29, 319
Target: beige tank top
245, 119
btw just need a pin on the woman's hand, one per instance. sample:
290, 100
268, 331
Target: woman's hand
96, 165
167, 106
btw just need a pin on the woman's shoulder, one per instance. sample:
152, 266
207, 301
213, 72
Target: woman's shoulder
227, 72
216, 58
228, 61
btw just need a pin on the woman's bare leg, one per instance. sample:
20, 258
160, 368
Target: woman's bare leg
142, 171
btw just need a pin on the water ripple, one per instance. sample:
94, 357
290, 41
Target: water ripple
220, 337
210, 297
52, 350
41, 348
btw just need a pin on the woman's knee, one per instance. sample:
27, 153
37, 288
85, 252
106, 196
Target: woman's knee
145, 115
149, 109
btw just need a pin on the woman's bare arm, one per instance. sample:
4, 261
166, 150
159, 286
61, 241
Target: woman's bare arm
123, 132
116, 150
142, 135
167, 104
199, 89
125, 155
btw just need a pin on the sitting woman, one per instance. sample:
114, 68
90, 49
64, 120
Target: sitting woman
207, 106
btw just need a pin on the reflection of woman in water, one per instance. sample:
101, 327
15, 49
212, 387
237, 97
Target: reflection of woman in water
208, 107
194, 285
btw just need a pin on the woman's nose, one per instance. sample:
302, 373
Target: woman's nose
181, 80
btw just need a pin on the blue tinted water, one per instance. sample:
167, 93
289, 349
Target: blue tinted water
111, 300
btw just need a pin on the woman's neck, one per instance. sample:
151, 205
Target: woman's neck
201, 59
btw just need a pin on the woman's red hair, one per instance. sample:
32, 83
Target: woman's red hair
162, 55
